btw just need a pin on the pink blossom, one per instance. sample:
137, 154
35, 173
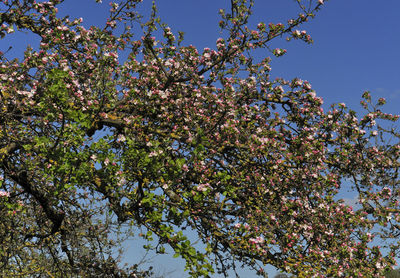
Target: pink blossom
121, 138
202, 187
4, 193
106, 161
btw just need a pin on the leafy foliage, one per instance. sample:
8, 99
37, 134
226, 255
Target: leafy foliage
171, 138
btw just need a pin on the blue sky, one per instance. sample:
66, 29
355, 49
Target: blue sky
356, 48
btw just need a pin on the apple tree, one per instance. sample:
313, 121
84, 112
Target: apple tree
123, 127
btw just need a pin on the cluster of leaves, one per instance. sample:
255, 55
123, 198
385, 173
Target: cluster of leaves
172, 138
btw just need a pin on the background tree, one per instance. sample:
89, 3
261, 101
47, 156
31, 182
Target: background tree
124, 123
281, 275
395, 273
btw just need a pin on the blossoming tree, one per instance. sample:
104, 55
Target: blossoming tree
171, 139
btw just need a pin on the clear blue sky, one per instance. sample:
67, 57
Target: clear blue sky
356, 48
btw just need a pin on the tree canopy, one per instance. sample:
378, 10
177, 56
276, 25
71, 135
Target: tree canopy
126, 124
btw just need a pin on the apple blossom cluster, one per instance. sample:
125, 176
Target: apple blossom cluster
4, 194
